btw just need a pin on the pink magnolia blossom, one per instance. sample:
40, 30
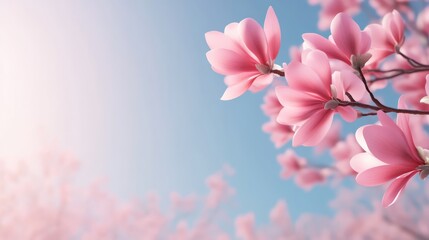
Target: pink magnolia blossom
311, 98
391, 155
245, 53
347, 42
387, 36
330, 8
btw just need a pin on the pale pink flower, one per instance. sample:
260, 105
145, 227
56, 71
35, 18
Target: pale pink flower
280, 134
184, 204
245, 227
311, 98
330, 139
245, 54
422, 21
271, 106
391, 155
347, 42
382, 7
387, 36
290, 163
308, 177
330, 8
220, 191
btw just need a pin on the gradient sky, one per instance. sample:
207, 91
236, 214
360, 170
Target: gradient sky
126, 87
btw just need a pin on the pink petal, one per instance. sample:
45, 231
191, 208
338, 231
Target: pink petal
290, 115
315, 41
231, 30
302, 77
388, 144
217, 39
243, 76
381, 174
292, 97
365, 42
347, 113
364, 161
262, 81
254, 38
403, 121
319, 63
395, 188
352, 84
314, 129
228, 62
346, 34
236, 90
360, 139
272, 32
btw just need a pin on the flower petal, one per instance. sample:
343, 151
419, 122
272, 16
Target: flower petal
272, 32
302, 77
236, 90
315, 41
254, 38
228, 62
388, 144
380, 175
314, 129
364, 161
395, 188
347, 113
346, 34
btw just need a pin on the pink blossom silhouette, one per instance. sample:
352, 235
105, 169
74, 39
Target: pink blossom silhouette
245, 53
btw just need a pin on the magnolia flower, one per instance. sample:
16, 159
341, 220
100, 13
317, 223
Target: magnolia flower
347, 42
313, 96
390, 154
387, 36
245, 54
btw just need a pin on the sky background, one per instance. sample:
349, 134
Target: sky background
125, 86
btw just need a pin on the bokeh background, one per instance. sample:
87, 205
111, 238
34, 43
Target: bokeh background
125, 86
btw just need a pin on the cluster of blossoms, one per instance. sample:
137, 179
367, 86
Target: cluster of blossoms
337, 78
40, 194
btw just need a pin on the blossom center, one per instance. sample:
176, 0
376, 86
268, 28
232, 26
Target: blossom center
264, 69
